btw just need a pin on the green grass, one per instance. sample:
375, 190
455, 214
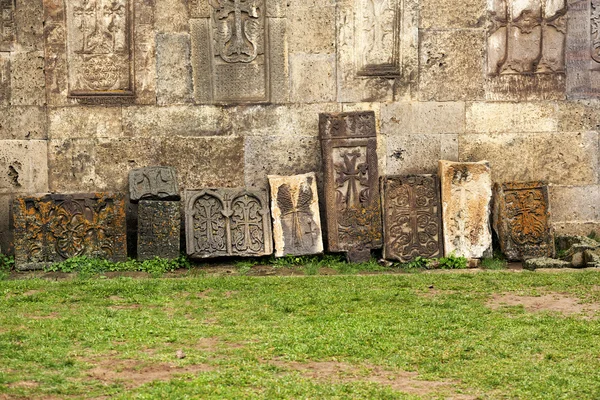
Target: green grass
52, 333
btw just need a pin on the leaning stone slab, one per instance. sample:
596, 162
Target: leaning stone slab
153, 183
351, 181
412, 217
521, 220
52, 228
466, 197
545, 262
159, 229
227, 222
295, 212
575, 248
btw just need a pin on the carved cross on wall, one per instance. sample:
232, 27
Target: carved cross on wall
86, 11
460, 180
250, 217
239, 46
349, 170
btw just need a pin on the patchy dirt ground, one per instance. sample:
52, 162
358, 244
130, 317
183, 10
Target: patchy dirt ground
555, 302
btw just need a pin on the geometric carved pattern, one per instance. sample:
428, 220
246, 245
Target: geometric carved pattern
526, 37
7, 24
100, 47
349, 146
227, 222
53, 228
159, 229
521, 220
412, 217
156, 183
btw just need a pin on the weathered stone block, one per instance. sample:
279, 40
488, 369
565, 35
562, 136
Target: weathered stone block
521, 219
351, 182
419, 154
85, 122
312, 77
27, 79
412, 217
575, 204
423, 118
153, 183
23, 123
8, 29
466, 197
29, 21
53, 228
171, 16
320, 22
71, 165
4, 79
159, 229
173, 68
227, 222
511, 117
435, 14
23, 166
295, 212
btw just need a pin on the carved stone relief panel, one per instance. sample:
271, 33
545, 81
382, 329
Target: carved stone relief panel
521, 220
412, 217
351, 180
159, 229
295, 212
7, 24
156, 183
526, 48
227, 222
53, 228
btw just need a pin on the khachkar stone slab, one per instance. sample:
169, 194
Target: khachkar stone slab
295, 212
583, 49
351, 180
521, 220
227, 222
238, 52
412, 217
156, 183
466, 196
54, 227
100, 47
7, 24
159, 229
526, 49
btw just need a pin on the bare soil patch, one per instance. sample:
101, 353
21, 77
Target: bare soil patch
556, 302
52, 315
401, 381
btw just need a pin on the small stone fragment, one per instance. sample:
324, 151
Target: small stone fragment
180, 354
545, 262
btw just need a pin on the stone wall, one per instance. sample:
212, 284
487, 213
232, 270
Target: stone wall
90, 89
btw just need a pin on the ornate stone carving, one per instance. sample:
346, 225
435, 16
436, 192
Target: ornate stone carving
377, 45
159, 229
7, 24
99, 47
295, 212
412, 217
595, 30
227, 222
53, 228
156, 183
238, 29
466, 195
521, 220
349, 146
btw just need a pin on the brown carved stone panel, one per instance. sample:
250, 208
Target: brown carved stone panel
295, 212
155, 183
7, 24
521, 220
227, 222
159, 229
351, 180
100, 47
412, 217
54, 227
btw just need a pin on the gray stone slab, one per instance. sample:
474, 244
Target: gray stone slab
153, 183
159, 229
227, 222
295, 212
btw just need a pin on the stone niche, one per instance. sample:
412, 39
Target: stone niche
238, 52
351, 181
295, 212
227, 222
412, 217
7, 25
466, 199
526, 49
52, 228
521, 220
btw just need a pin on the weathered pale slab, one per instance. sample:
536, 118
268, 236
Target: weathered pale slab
412, 217
295, 212
153, 183
159, 229
466, 196
351, 180
54, 227
521, 220
227, 222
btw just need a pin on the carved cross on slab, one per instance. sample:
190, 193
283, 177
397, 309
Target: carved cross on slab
239, 47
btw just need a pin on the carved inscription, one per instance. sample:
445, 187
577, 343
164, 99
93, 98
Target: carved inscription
349, 148
526, 37
295, 211
159, 229
227, 222
157, 183
53, 228
99, 43
7, 24
377, 29
412, 217
521, 220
